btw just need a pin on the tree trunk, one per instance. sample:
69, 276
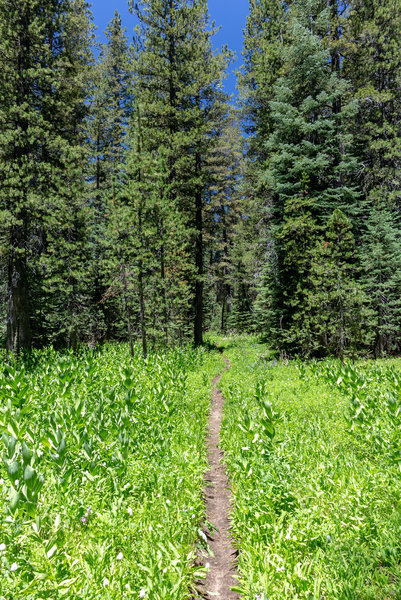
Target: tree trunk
141, 290
127, 310
142, 311
223, 313
198, 303
163, 281
18, 326
142, 319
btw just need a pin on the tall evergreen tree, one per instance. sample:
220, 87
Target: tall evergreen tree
372, 49
309, 169
335, 314
133, 234
381, 278
66, 255
23, 47
372, 63
266, 36
222, 211
110, 110
41, 105
177, 89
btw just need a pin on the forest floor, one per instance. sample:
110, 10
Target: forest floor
221, 563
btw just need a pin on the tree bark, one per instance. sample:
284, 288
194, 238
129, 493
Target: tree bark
18, 325
141, 290
142, 316
127, 310
18, 322
163, 281
223, 314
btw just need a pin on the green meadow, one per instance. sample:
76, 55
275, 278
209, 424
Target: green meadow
103, 462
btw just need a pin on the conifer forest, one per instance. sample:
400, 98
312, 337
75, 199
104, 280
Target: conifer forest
200, 303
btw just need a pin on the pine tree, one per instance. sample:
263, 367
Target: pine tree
111, 105
373, 65
309, 169
110, 110
133, 235
177, 88
39, 113
66, 255
381, 279
267, 35
23, 47
246, 260
337, 320
221, 215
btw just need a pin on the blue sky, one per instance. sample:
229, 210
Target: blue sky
231, 15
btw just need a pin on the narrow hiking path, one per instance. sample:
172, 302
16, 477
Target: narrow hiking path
221, 574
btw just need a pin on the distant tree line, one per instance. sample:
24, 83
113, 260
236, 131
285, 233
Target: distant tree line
134, 206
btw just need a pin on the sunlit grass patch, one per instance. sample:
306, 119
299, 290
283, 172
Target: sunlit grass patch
317, 509
102, 473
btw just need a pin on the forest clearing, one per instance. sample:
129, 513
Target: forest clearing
104, 461
200, 300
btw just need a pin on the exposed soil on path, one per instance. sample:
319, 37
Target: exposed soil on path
220, 577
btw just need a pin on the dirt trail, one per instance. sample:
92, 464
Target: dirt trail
220, 578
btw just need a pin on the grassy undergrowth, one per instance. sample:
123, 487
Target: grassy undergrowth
312, 453
102, 473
